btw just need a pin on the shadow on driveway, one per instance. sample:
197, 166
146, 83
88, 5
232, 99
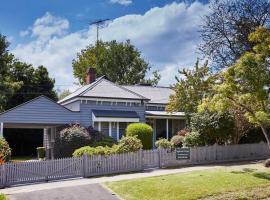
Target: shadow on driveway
82, 192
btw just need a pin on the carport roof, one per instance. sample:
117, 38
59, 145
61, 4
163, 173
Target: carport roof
39, 112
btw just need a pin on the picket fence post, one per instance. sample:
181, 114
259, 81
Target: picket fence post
47, 170
141, 157
159, 158
4, 176
84, 165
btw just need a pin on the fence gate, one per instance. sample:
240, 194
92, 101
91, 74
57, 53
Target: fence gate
39, 171
151, 159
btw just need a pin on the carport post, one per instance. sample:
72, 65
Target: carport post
1, 129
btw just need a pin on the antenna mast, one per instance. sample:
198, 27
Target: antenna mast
99, 24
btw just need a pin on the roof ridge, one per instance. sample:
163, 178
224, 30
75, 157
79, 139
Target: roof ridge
92, 85
147, 86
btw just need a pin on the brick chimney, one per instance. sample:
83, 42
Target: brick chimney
90, 75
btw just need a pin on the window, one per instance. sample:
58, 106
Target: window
105, 128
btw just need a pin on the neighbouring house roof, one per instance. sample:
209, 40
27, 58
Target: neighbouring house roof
115, 113
164, 113
103, 88
157, 95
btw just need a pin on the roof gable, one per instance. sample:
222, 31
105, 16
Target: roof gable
103, 88
39, 110
108, 89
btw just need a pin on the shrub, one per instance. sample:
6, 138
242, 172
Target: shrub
163, 144
144, 133
89, 151
5, 151
70, 139
128, 144
99, 139
177, 141
267, 163
192, 139
183, 132
41, 152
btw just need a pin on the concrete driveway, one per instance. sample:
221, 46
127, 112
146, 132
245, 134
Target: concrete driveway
82, 192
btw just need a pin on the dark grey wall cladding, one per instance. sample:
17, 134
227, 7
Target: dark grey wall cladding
40, 111
86, 112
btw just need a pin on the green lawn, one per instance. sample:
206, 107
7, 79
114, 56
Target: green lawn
2, 197
248, 182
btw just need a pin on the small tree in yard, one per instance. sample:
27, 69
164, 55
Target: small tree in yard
5, 151
144, 133
71, 138
245, 85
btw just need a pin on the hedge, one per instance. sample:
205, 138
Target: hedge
143, 132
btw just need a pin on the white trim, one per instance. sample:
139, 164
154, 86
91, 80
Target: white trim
164, 117
167, 129
99, 99
110, 129
118, 132
113, 119
1, 129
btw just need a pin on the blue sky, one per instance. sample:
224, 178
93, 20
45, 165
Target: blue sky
51, 32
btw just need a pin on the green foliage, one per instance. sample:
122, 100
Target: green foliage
192, 139
35, 82
246, 84
163, 144
99, 139
129, 144
143, 131
7, 86
63, 94
70, 139
5, 151
177, 141
89, 151
125, 145
194, 85
41, 152
120, 62
212, 127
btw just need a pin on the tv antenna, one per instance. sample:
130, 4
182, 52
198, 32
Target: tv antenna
99, 24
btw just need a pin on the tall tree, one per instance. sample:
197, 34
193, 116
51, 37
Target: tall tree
226, 28
34, 82
7, 86
120, 62
246, 84
191, 88
63, 94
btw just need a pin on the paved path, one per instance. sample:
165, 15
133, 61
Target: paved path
82, 192
90, 188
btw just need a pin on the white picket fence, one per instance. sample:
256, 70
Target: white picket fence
41, 171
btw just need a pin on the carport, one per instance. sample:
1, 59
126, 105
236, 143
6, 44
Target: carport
39, 113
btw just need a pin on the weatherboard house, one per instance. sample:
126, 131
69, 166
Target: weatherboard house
106, 106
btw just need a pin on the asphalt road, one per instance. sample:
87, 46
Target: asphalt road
83, 192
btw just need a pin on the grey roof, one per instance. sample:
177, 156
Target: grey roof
115, 113
157, 95
103, 88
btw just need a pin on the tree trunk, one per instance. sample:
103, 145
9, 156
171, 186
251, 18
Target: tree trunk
266, 135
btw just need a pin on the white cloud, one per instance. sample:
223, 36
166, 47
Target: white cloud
122, 2
167, 38
24, 33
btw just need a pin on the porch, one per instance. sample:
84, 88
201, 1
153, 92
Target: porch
164, 124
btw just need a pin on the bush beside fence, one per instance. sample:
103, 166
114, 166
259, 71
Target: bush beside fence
41, 171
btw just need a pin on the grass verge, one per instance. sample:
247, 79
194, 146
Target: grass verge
225, 183
3, 197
